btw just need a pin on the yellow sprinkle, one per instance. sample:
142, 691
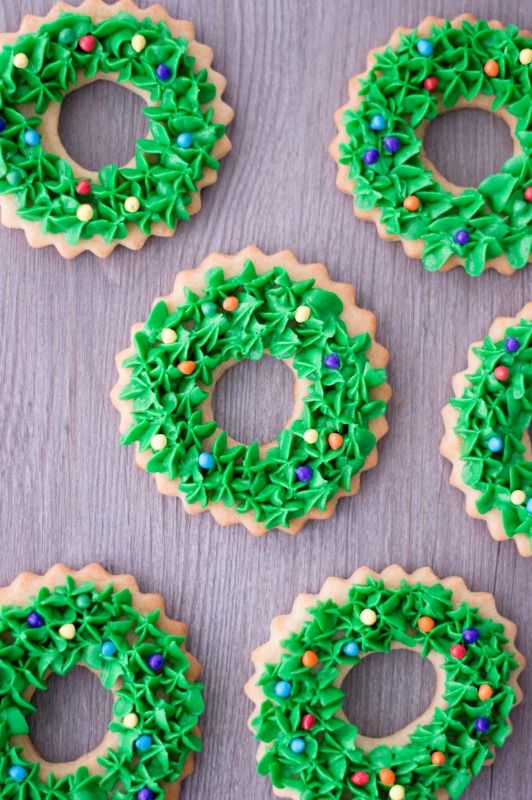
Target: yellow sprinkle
159, 442
525, 56
21, 61
85, 213
132, 205
130, 720
368, 617
138, 43
168, 336
518, 497
311, 436
67, 631
397, 792
302, 314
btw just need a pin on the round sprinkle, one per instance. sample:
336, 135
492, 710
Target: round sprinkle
351, 649
529, 506
309, 659
145, 794
332, 361
21, 61
34, 620
501, 372
495, 444
304, 473
461, 237
132, 205
397, 792
206, 460
425, 624
335, 440
471, 635
424, 47
32, 138
138, 42
511, 345
302, 314
163, 72
184, 140
485, 692
438, 758
67, 36
411, 203
518, 497
431, 83
525, 56
108, 649
3, 125
14, 177
282, 689
155, 662
298, 746
308, 721
377, 123
209, 309
158, 442
143, 743
230, 303
84, 187
368, 617
85, 213
458, 651
387, 777
371, 156
528, 194
311, 436
392, 144
88, 43
130, 720
83, 601
491, 68
482, 724
168, 336
18, 773
359, 778
186, 367
67, 631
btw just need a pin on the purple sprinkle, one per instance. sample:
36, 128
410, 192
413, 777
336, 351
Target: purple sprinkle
371, 156
164, 73
392, 144
512, 344
471, 635
3, 125
482, 725
145, 794
34, 620
304, 473
155, 662
461, 237
332, 361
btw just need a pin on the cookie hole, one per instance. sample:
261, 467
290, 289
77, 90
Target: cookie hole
467, 145
254, 399
93, 128
387, 691
71, 717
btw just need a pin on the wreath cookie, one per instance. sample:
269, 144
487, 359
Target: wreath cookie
240, 307
307, 745
58, 202
440, 66
50, 624
486, 430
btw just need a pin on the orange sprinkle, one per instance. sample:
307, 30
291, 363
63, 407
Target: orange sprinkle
387, 777
411, 203
335, 440
425, 624
186, 367
230, 303
438, 759
491, 68
485, 692
310, 659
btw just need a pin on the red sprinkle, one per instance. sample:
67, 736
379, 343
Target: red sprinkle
308, 721
528, 194
88, 43
501, 373
431, 84
84, 187
458, 651
360, 778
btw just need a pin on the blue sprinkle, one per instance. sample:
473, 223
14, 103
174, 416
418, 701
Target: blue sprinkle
3, 125
351, 649
206, 460
283, 689
32, 138
184, 140
377, 123
108, 649
424, 47
18, 773
529, 506
144, 743
495, 444
298, 746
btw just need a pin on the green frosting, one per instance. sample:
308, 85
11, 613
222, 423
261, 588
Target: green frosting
165, 176
331, 756
338, 400
167, 704
489, 407
495, 215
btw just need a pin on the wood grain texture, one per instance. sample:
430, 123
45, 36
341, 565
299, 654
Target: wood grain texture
70, 493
